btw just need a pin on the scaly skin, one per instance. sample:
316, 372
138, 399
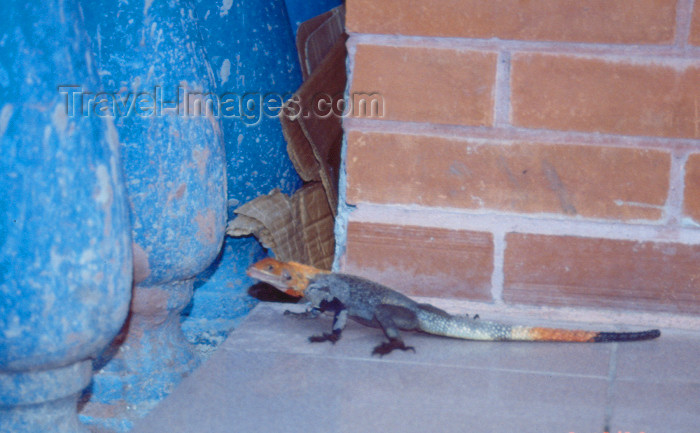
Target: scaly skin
374, 304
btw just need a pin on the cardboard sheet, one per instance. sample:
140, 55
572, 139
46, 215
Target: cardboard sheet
297, 228
300, 228
314, 139
316, 37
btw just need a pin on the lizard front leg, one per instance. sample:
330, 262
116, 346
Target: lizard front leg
339, 321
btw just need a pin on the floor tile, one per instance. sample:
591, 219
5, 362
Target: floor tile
269, 330
267, 377
656, 407
258, 392
675, 356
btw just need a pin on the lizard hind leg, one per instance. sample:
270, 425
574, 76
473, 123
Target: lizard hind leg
333, 337
390, 319
391, 345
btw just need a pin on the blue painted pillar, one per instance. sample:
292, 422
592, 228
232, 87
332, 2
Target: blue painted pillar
252, 53
253, 56
65, 247
151, 60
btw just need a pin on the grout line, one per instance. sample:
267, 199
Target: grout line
649, 52
696, 116
674, 202
432, 363
610, 392
503, 135
498, 276
684, 14
340, 228
427, 363
541, 224
501, 99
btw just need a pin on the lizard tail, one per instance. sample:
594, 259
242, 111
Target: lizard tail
525, 333
441, 323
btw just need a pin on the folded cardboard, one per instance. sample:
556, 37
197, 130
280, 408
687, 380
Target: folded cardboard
300, 227
313, 127
297, 228
316, 37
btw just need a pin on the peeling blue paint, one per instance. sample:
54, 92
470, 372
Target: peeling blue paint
154, 68
252, 52
251, 49
66, 238
249, 52
65, 247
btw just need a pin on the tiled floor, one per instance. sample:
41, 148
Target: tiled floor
268, 378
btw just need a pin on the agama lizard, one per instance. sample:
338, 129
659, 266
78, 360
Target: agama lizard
376, 305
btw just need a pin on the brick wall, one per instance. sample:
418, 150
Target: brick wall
540, 153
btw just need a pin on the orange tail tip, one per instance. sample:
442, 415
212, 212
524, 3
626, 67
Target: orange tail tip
565, 335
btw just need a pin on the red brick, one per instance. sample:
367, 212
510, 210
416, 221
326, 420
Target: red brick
695, 25
597, 21
589, 181
428, 84
691, 202
591, 272
422, 261
595, 95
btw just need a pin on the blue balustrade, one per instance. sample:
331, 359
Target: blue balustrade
81, 84
65, 245
158, 85
252, 53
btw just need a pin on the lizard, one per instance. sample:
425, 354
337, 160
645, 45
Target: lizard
374, 304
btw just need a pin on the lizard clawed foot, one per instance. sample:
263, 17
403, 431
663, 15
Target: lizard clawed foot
332, 337
391, 345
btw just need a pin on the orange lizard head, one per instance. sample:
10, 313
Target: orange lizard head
290, 277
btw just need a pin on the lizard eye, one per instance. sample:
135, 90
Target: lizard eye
270, 267
286, 275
